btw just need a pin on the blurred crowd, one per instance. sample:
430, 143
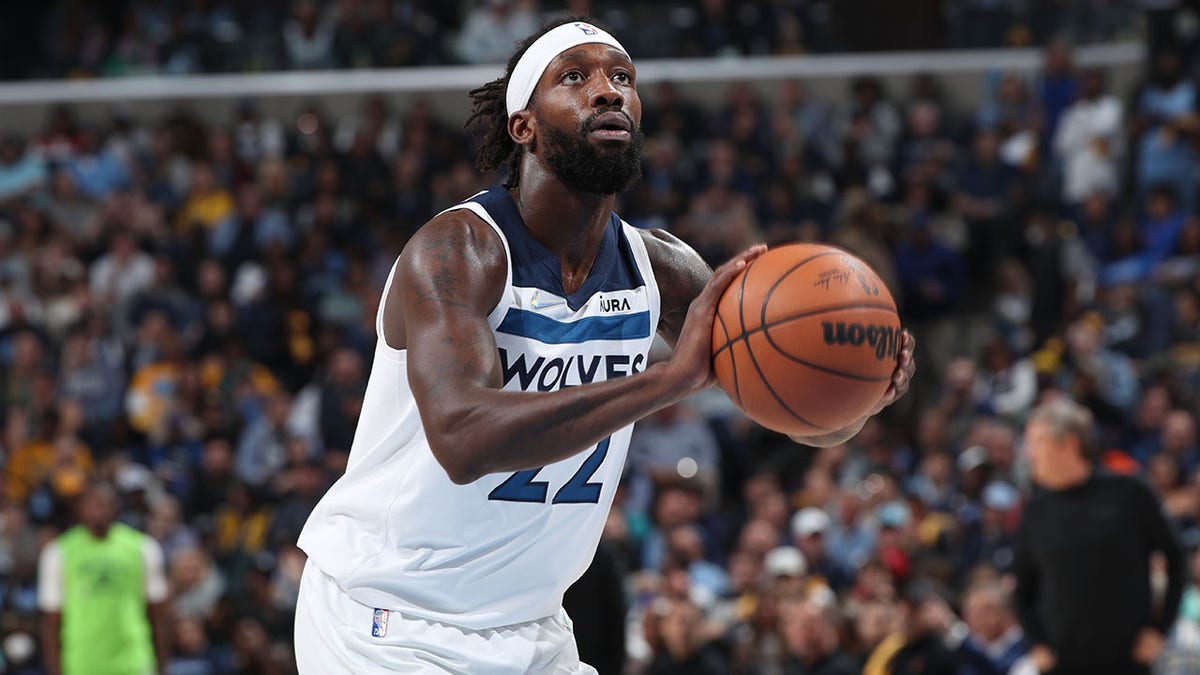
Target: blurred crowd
89, 38
186, 309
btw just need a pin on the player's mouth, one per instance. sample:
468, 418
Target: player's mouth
611, 126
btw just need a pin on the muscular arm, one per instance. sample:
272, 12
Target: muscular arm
681, 274
448, 279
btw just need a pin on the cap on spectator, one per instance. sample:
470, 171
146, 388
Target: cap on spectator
972, 458
1000, 496
810, 520
785, 561
133, 478
894, 514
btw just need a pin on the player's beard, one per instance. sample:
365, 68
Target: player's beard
584, 167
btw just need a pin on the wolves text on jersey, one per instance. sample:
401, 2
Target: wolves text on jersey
550, 374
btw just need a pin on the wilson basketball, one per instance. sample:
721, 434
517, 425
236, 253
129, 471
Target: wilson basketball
806, 339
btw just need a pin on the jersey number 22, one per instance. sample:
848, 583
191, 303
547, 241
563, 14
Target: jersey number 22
521, 486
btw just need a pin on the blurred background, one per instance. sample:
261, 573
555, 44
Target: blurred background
200, 201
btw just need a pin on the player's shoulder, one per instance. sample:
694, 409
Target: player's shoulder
455, 237
664, 247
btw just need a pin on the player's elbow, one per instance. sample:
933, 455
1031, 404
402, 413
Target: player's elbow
460, 441
455, 459
461, 476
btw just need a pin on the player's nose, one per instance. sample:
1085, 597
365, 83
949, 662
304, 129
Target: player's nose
605, 94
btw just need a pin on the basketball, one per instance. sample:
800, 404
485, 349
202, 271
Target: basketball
805, 339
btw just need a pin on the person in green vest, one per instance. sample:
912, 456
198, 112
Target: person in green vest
102, 590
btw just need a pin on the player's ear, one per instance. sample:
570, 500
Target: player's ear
522, 127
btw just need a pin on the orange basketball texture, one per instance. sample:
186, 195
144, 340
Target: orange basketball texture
805, 339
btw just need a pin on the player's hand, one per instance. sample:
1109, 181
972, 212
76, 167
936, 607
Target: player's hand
1043, 658
1148, 646
692, 361
906, 365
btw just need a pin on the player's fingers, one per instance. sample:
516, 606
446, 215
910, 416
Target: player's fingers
725, 273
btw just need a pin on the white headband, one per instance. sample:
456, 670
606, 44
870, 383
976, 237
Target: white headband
533, 62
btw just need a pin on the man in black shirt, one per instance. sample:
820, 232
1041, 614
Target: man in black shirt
1083, 556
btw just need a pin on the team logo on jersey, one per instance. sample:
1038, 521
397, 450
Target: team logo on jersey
540, 303
379, 623
614, 304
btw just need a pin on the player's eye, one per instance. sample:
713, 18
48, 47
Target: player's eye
623, 77
572, 76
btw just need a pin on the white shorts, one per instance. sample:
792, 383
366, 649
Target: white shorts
336, 635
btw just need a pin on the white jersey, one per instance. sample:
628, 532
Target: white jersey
396, 533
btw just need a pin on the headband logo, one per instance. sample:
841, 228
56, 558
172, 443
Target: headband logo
587, 30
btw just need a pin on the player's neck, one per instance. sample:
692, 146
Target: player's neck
570, 224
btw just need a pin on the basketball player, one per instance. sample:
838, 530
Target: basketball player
510, 366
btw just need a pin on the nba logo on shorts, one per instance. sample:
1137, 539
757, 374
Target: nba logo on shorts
379, 623
587, 30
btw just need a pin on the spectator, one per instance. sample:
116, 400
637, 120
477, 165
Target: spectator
933, 278
672, 443
988, 539
811, 633
1161, 227
196, 584
308, 36
261, 449
1088, 141
810, 527
872, 122
1058, 86
97, 171
994, 643
341, 398
207, 205
674, 629
119, 274
491, 29
193, 654
1008, 385
685, 547
57, 462
168, 528
1098, 377
91, 372
1162, 128
988, 193
920, 647
22, 170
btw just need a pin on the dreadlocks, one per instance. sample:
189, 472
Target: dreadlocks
489, 117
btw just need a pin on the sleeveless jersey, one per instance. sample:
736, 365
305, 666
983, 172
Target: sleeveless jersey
396, 533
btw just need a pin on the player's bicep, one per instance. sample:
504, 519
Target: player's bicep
449, 278
681, 274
